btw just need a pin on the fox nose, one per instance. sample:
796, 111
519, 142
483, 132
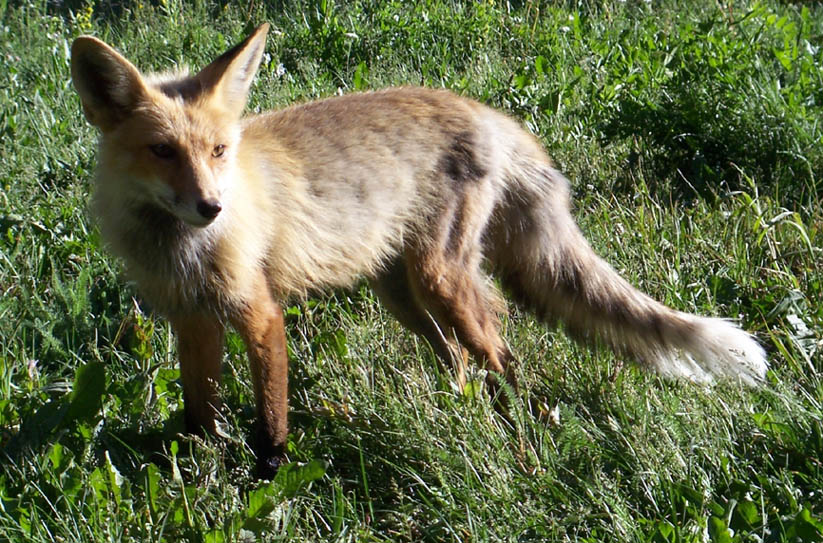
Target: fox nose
209, 209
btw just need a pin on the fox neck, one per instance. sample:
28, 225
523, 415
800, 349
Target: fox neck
171, 261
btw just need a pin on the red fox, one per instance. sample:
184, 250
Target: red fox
220, 218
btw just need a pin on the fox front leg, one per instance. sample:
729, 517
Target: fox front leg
200, 348
260, 323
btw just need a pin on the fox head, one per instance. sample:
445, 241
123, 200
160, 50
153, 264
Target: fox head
171, 142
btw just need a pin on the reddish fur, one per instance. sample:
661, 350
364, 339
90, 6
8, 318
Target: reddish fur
200, 348
261, 326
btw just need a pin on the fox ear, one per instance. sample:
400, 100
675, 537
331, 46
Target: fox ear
109, 85
229, 77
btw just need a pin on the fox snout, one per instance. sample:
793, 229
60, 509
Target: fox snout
199, 211
209, 208
193, 192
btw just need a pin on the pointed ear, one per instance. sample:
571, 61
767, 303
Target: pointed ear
228, 78
109, 85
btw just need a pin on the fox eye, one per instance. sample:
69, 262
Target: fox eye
218, 150
161, 150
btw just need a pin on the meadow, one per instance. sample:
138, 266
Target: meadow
692, 132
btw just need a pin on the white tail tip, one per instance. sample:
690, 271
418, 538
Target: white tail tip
716, 349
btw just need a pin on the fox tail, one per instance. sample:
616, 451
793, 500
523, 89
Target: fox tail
548, 266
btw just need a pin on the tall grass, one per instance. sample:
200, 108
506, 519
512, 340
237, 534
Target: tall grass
692, 133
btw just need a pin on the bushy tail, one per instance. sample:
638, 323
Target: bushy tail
543, 259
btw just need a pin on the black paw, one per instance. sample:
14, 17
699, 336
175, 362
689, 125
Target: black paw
267, 466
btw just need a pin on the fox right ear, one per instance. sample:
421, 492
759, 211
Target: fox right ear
109, 85
229, 77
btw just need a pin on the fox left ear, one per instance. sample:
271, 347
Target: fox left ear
229, 77
109, 86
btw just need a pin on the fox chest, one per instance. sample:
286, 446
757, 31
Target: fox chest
175, 269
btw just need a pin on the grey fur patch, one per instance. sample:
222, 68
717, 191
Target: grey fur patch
459, 162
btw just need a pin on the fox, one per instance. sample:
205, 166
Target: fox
221, 218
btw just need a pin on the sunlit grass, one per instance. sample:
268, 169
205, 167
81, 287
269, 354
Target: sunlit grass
691, 132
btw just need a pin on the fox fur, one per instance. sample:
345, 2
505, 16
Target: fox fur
220, 218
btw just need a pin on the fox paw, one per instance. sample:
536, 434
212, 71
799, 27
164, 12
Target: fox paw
267, 466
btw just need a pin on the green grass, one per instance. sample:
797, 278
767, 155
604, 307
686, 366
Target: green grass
692, 133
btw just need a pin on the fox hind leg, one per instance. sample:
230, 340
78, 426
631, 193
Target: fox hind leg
464, 306
394, 289
446, 279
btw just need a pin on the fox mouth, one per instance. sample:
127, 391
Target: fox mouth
205, 212
163, 214
200, 218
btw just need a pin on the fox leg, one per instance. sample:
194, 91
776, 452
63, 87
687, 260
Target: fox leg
463, 305
395, 292
260, 323
200, 348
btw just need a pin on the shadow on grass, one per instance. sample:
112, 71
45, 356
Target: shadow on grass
702, 134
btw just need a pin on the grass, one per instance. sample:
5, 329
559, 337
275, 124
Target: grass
692, 133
